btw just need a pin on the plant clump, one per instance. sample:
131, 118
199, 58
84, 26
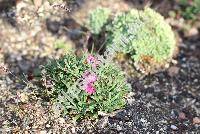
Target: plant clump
97, 19
190, 9
84, 86
141, 35
145, 36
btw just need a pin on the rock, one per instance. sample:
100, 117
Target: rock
143, 120
119, 128
37, 3
103, 122
196, 120
43, 132
23, 97
61, 120
174, 61
24, 65
48, 126
173, 127
73, 130
192, 32
181, 116
172, 71
26, 132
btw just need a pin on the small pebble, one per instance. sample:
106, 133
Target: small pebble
48, 126
174, 62
172, 71
73, 130
119, 128
43, 132
195, 80
173, 127
62, 120
143, 120
181, 116
196, 120
193, 31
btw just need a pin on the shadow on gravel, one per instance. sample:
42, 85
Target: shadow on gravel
78, 34
162, 6
70, 28
24, 64
5, 8
165, 102
19, 111
24, 70
5, 5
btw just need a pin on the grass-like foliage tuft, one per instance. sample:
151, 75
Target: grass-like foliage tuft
97, 19
84, 86
190, 11
145, 36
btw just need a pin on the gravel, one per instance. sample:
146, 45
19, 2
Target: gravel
165, 102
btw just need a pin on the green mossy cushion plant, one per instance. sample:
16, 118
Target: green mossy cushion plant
84, 86
97, 19
145, 36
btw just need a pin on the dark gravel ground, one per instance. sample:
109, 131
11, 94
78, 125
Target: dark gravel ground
165, 102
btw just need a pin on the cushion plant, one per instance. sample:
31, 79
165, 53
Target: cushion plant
144, 36
97, 19
83, 86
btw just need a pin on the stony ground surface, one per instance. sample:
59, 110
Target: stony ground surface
166, 102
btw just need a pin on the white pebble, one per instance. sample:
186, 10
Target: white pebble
173, 127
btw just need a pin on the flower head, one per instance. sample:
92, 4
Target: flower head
89, 88
89, 77
88, 81
92, 60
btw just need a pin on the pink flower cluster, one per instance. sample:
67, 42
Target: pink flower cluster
89, 79
92, 60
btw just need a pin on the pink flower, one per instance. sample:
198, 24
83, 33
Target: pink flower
89, 77
89, 88
85, 74
92, 60
88, 81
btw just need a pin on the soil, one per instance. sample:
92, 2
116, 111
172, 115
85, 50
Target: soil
165, 102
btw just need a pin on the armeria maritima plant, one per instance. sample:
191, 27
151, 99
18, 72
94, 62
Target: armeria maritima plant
84, 86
